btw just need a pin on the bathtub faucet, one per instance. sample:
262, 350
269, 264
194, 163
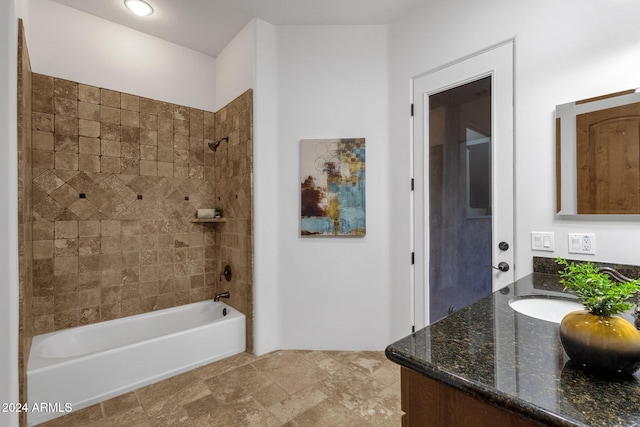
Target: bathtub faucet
221, 295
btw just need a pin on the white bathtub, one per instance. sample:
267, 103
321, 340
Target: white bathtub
85, 365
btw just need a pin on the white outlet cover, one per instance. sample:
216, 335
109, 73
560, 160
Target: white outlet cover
582, 243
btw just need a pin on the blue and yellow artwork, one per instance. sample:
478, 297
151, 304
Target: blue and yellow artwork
332, 187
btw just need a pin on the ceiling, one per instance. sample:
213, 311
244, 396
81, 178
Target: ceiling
207, 26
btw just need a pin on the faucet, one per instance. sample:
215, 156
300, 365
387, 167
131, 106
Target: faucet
615, 274
622, 279
221, 295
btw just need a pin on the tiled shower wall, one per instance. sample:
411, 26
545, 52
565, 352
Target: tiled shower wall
233, 175
116, 180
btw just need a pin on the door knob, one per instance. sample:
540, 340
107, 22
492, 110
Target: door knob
503, 266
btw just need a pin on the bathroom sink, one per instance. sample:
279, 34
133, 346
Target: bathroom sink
545, 308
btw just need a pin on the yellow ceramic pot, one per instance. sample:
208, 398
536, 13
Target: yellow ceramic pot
601, 343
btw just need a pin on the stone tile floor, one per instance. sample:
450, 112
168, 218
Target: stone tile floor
285, 388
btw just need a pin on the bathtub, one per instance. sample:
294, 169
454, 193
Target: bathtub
77, 367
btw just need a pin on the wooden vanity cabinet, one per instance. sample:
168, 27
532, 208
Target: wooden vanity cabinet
428, 402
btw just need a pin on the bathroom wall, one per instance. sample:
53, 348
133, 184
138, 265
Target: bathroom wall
333, 293
236, 66
24, 211
563, 52
265, 222
316, 82
156, 70
116, 180
74, 45
232, 165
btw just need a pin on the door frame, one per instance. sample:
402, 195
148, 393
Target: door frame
497, 61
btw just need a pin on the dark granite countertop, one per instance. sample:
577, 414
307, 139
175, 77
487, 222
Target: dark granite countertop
517, 362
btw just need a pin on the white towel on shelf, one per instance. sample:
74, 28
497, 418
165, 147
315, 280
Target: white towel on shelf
206, 213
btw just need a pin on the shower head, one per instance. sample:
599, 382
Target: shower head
214, 145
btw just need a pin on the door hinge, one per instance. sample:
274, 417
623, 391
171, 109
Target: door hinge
411, 110
413, 258
413, 329
412, 184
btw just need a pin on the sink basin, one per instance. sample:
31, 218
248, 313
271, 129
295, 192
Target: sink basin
544, 308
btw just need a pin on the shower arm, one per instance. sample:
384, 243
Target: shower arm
214, 145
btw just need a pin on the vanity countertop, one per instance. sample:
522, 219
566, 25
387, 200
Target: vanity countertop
517, 362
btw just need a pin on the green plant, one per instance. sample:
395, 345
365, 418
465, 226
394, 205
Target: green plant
596, 291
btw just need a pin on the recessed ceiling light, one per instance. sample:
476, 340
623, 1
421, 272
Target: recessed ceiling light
139, 7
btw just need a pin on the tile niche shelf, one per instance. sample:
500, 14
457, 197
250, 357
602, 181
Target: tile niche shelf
208, 220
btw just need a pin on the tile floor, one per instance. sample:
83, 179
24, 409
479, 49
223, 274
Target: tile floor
285, 388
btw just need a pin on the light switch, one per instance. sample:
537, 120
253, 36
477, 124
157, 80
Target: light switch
574, 243
542, 241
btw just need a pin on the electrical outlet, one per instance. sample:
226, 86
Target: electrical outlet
542, 241
582, 243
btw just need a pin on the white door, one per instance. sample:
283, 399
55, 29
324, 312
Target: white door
463, 141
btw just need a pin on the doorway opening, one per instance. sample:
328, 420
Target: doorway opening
463, 200
459, 197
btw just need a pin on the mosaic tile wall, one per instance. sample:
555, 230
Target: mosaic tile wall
116, 180
24, 212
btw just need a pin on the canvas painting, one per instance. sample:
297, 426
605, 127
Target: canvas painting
333, 196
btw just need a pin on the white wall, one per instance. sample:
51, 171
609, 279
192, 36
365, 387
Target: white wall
332, 83
70, 44
316, 82
564, 52
236, 65
266, 290
9, 210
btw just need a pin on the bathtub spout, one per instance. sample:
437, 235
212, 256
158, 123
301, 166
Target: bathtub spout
221, 295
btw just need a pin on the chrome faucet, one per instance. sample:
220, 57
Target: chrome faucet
221, 295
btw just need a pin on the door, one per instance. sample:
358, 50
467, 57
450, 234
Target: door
463, 182
608, 160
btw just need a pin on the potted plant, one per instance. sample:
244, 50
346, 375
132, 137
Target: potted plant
218, 212
597, 338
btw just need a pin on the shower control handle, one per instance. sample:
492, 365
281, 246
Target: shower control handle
226, 273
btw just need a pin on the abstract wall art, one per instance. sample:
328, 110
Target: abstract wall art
332, 187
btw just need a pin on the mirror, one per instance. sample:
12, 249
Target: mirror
477, 153
598, 155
